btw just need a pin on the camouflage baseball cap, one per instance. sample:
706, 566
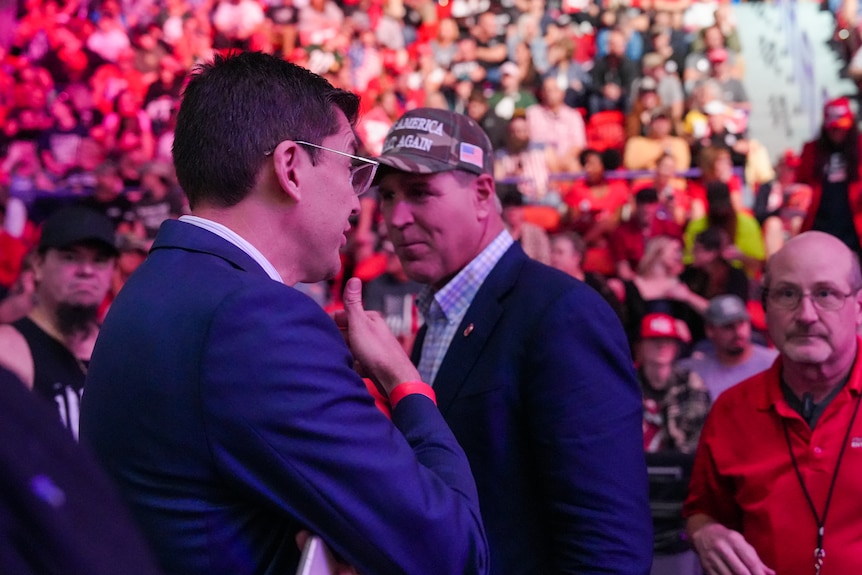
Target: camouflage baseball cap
430, 140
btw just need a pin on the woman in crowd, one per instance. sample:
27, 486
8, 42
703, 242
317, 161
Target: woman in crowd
127, 128
444, 46
657, 288
595, 204
746, 249
709, 273
780, 205
672, 190
716, 166
569, 73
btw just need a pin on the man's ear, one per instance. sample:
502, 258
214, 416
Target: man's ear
709, 330
857, 301
486, 196
288, 163
38, 263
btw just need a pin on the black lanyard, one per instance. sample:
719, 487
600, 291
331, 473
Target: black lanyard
819, 552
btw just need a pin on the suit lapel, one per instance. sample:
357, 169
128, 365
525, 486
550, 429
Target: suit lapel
416, 352
476, 328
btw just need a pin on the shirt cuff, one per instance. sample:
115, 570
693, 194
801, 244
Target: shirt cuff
402, 390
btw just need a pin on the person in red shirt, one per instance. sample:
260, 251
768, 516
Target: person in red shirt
594, 209
648, 221
775, 486
830, 164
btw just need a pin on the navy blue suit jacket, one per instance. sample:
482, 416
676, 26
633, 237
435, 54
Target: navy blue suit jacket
542, 396
225, 406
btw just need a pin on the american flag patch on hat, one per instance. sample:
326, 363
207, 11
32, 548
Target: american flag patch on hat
470, 154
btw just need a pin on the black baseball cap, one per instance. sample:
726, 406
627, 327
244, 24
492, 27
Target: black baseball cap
77, 224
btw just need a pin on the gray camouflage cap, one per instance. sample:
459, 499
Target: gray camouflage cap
430, 140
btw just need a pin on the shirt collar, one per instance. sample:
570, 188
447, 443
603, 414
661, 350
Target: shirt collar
231, 236
772, 395
459, 292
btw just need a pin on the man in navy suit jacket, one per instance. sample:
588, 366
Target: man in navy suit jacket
224, 402
531, 367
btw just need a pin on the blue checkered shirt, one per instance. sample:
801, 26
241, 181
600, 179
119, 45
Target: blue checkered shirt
444, 310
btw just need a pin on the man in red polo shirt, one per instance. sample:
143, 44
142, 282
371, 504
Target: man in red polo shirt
775, 484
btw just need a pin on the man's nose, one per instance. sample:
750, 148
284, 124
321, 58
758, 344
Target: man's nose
356, 207
401, 214
86, 267
807, 311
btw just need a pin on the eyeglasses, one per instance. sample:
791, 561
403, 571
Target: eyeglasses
361, 174
789, 297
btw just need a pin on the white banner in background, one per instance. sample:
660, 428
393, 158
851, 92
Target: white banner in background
790, 70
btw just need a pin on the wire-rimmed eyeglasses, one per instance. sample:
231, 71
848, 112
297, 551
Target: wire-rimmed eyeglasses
361, 173
789, 297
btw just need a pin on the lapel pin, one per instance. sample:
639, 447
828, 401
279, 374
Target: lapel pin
468, 330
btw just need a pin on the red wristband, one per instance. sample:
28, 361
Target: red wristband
402, 390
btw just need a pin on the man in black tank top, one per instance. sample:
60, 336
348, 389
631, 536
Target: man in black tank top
50, 348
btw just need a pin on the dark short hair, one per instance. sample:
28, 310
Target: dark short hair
712, 239
647, 195
477, 95
238, 108
612, 159
510, 195
587, 152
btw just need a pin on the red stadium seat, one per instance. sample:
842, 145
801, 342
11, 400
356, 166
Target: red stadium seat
546, 217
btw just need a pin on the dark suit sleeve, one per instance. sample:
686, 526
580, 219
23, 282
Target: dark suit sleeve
290, 424
59, 512
585, 422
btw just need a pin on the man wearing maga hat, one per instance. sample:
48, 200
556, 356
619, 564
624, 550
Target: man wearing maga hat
531, 367
50, 348
830, 165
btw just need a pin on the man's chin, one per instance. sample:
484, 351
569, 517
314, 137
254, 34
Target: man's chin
323, 276
324, 271
84, 302
812, 353
412, 253
419, 277
73, 318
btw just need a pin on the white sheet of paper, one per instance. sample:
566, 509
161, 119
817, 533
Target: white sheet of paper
316, 558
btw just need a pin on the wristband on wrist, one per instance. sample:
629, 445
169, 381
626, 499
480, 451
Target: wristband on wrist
402, 390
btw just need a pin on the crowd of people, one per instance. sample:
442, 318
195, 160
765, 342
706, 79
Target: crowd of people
584, 104
608, 142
